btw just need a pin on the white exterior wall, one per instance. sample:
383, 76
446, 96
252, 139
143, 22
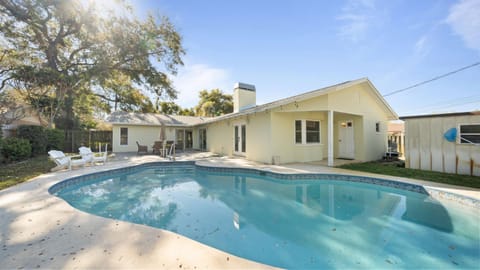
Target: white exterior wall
426, 149
271, 134
259, 137
364, 109
220, 137
284, 148
145, 135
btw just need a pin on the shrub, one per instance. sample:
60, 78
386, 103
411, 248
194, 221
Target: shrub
55, 139
1, 139
37, 137
14, 149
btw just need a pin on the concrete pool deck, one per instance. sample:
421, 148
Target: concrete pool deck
39, 230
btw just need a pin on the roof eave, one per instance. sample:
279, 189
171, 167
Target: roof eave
392, 115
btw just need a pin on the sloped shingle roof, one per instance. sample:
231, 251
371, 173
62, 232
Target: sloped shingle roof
176, 120
154, 119
308, 95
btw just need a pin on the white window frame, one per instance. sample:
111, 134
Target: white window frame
459, 138
303, 128
121, 136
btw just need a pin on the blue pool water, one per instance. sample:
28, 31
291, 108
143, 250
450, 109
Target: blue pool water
289, 223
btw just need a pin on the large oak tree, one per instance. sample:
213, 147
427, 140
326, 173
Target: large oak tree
77, 49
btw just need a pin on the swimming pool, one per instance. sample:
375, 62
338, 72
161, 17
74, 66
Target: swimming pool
289, 221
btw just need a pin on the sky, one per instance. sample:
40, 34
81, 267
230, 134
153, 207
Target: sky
288, 47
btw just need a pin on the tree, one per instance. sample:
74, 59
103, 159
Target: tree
78, 49
214, 103
187, 112
169, 108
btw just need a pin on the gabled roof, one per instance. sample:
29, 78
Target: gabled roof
154, 119
177, 120
309, 95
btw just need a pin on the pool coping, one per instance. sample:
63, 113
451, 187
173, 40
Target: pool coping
40, 230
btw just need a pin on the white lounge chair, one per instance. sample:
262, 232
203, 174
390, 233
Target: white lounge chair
91, 157
65, 162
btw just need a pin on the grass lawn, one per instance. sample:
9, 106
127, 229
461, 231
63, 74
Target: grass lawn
392, 168
12, 174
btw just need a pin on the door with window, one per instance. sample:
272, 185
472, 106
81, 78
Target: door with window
188, 139
179, 139
346, 146
240, 144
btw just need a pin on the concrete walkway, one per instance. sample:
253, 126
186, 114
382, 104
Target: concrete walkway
38, 230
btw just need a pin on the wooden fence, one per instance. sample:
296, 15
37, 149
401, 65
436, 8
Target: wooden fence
90, 138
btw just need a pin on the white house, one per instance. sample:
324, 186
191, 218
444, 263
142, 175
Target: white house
23, 115
346, 120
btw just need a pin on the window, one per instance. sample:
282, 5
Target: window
377, 126
123, 136
298, 131
307, 131
313, 131
469, 134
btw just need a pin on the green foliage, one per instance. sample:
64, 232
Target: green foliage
187, 112
170, 108
396, 169
15, 173
15, 149
1, 143
214, 103
55, 139
36, 136
65, 51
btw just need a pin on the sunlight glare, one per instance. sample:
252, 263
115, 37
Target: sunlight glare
106, 7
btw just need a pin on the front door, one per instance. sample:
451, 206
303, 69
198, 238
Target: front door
346, 144
240, 140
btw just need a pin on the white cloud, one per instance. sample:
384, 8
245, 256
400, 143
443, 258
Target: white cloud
195, 77
357, 16
421, 46
464, 18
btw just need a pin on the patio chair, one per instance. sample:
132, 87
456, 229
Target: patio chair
91, 157
142, 149
65, 162
392, 151
158, 148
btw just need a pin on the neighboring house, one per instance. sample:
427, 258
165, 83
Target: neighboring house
443, 142
396, 136
347, 120
21, 116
